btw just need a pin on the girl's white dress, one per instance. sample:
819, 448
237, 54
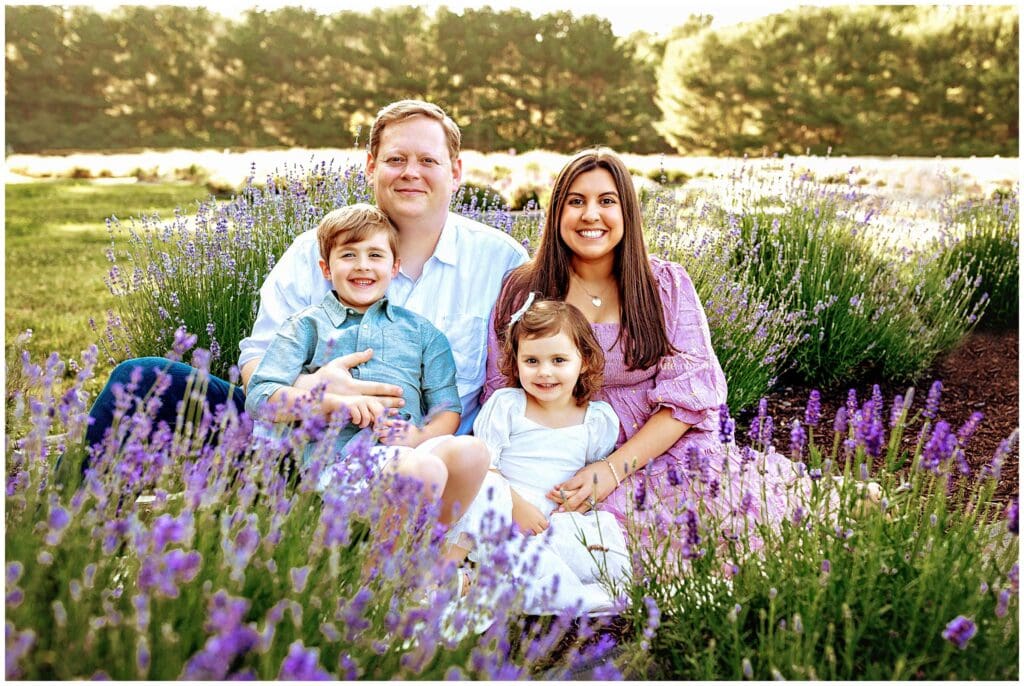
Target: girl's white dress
531, 458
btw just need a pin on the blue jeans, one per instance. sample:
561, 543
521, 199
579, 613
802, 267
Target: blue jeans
218, 392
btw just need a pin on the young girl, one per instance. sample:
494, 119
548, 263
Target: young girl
541, 431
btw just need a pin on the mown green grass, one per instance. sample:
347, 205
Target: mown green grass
55, 248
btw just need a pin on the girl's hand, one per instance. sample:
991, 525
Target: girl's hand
581, 492
391, 429
527, 517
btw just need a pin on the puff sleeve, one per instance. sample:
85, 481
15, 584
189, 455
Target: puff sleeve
494, 380
689, 382
602, 430
493, 423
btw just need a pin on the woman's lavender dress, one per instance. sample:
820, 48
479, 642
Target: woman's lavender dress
691, 384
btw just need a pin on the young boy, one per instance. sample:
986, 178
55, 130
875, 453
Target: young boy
358, 247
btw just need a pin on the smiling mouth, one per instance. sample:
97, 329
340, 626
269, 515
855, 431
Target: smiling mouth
591, 233
361, 283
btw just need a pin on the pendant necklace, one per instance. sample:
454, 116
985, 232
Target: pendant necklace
595, 300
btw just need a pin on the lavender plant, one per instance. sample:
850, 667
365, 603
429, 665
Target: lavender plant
810, 248
983, 239
753, 333
203, 269
176, 558
921, 583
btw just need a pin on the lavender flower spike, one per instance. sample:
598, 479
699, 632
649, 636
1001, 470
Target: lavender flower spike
931, 406
797, 440
725, 424
841, 421
959, 631
812, 415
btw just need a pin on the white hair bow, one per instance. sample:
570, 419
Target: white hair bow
518, 314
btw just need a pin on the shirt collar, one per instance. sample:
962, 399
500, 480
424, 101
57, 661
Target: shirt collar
447, 247
339, 313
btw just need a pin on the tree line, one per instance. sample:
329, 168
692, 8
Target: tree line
857, 80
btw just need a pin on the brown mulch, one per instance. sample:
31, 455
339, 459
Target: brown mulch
981, 375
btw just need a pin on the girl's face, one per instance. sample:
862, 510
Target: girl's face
591, 223
549, 368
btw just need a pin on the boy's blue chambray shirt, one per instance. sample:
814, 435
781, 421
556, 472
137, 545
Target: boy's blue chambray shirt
408, 351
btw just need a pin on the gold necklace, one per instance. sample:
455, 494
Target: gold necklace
595, 300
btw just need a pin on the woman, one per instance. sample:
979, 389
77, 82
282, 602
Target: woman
661, 374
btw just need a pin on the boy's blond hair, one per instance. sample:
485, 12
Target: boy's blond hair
352, 224
402, 110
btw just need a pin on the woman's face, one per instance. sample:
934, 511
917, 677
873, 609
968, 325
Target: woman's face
591, 222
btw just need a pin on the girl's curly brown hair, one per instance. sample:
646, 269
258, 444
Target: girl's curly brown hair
549, 318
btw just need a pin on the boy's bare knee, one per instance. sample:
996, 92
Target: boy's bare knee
466, 455
425, 467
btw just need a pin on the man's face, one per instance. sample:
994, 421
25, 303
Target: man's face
413, 174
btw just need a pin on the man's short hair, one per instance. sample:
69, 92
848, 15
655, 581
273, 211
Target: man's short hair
352, 224
403, 109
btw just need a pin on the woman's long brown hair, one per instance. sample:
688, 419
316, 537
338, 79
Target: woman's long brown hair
642, 331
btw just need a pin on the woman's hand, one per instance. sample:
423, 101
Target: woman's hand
581, 492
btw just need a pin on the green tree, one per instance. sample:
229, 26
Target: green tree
856, 80
162, 85
57, 69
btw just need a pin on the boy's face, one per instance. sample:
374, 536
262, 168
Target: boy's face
361, 272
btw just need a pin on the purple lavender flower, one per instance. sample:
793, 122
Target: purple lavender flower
691, 532
225, 612
167, 529
896, 411
797, 440
839, 425
1002, 603
13, 572
653, 621
755, 426
299, 576
673, 476
302, 664
939, 447
1013, 517
877, 403
349, 670
767, 431
959, 631
968, 428
726, 425
812, 414
931, 406
826, 566
851, 402
164, 573
640, 495
869, 431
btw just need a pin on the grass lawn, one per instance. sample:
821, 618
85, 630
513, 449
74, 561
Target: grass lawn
55, 242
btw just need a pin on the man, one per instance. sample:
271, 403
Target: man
451, 272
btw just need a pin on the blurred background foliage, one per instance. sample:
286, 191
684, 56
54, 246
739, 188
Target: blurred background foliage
867, 80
